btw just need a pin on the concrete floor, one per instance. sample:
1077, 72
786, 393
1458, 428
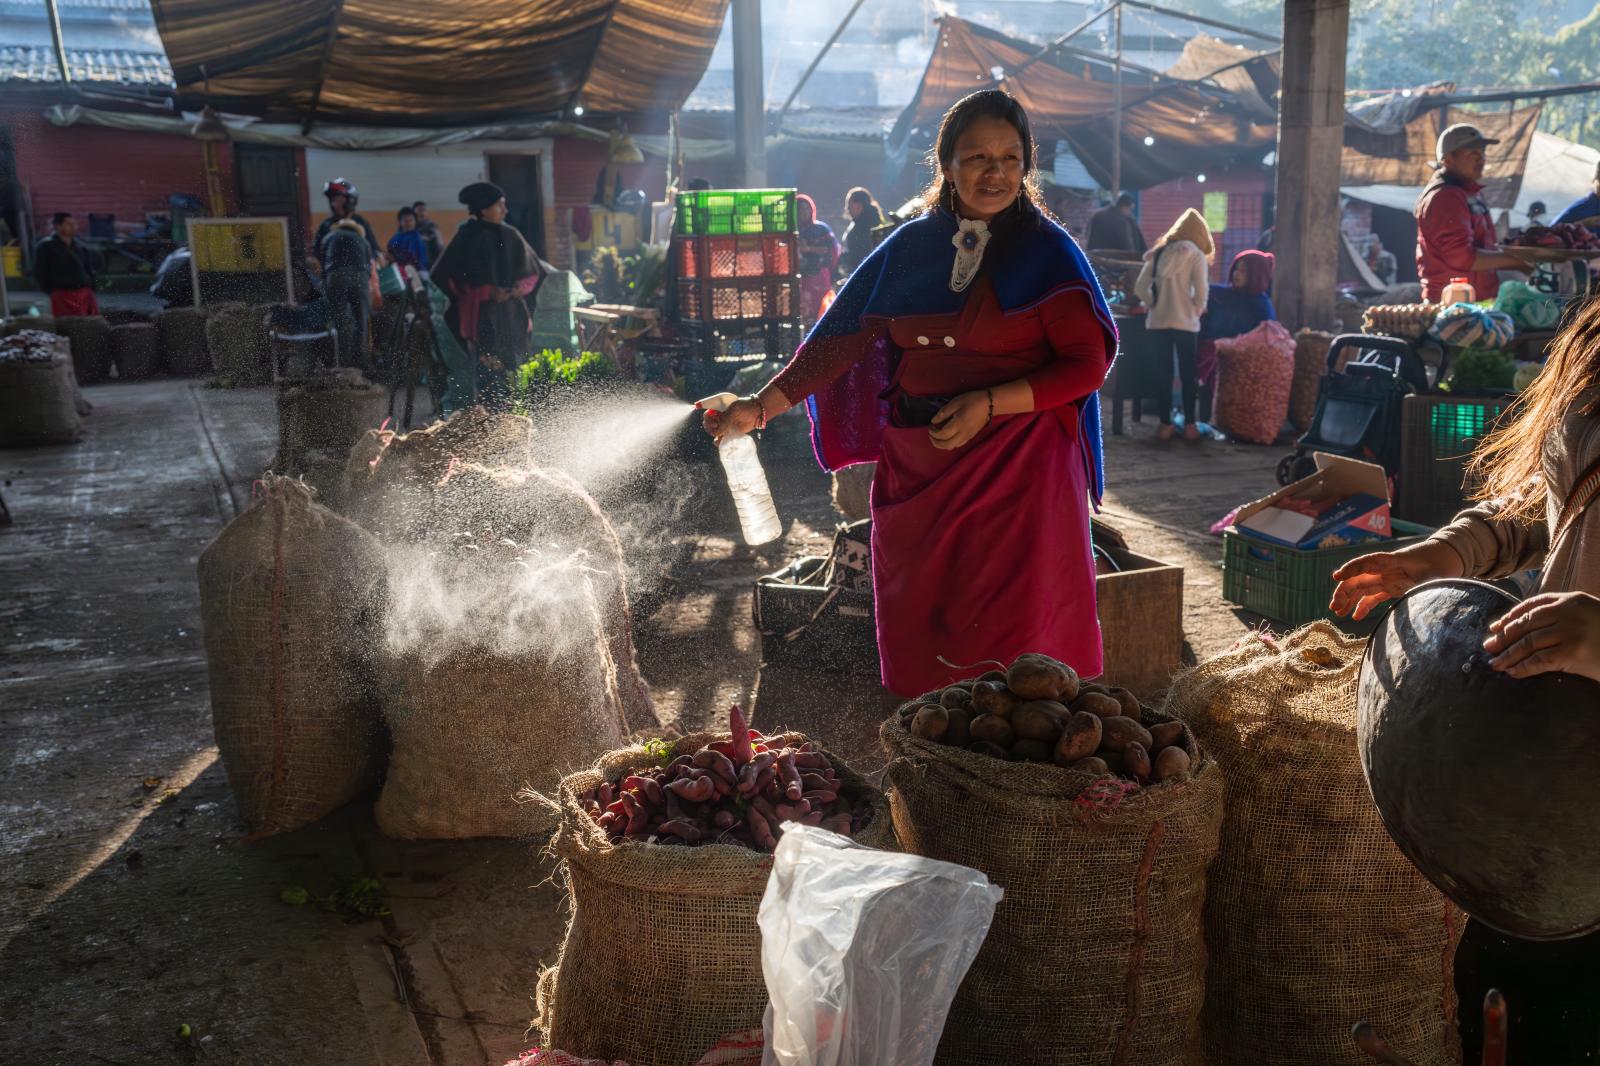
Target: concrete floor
130, 905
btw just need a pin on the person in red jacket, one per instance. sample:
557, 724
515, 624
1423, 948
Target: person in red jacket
1455, 235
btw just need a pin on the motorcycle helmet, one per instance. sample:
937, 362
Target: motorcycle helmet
341, 187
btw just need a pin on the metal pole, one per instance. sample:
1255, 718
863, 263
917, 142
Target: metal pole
1116, 111
55, 38
749, 101
812, 69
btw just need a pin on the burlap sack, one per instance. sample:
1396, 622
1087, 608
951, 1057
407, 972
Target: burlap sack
430, 484
183, 340
1096, 953
90, 336
39, 398
496, 672
662, 957
134, 351
1314, 920
239, 343
1310, 365
287, 593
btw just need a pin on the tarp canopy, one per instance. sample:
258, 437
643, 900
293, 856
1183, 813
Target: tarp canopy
1558, 172
1412, 152
1070, 96
436, 62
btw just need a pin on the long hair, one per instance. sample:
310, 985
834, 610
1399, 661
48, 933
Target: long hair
985, 103
863, 196
1511, 458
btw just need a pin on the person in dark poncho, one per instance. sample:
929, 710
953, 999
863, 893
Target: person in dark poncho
490, 272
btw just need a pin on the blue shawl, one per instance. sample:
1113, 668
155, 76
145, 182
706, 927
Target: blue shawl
1029, 260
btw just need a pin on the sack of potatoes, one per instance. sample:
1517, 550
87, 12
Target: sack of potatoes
1038, 710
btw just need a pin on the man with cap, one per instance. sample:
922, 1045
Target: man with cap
1455, 234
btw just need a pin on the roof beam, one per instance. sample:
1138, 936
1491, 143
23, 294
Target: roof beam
322, 66
54, 14
1201, 21
812, 69
1064, 38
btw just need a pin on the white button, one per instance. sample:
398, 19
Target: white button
949, 342
923, 341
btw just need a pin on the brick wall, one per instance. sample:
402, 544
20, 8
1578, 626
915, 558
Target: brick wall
1160, 206
91, 168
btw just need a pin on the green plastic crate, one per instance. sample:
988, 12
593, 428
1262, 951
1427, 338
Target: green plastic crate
1293, 585
1437, 435
716, 212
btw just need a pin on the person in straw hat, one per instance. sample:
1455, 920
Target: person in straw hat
1174, 284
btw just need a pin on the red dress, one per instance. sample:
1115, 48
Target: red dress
982, 552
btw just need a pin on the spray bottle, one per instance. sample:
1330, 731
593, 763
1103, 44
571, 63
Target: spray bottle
758, 518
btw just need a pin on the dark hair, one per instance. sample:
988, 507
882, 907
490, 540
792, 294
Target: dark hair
404, 211
859, 195
419, 203
60, 217
698, 185
1125, 200
985, 103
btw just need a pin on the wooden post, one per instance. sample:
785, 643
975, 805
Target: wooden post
1310, 142
1116, 115
749, 103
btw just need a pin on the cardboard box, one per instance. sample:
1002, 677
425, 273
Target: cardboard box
1353, 499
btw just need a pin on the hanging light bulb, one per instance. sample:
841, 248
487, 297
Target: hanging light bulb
1201, 178
1149, 142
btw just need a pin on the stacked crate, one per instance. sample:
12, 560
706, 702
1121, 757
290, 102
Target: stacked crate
736, 289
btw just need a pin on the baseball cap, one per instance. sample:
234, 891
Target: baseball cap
1461, 135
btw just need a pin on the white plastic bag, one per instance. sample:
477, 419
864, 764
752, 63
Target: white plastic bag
863, 950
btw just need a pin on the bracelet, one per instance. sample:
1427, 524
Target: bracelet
755, 398
990, 393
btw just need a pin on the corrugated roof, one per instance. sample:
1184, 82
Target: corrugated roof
66, 7
36, 64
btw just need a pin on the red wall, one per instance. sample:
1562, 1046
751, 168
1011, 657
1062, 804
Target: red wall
91, 168
1160, 206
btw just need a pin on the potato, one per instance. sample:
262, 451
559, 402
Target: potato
1080, 740
1129, 702
1165, 735
1091, 765
931, 722
1039, 677
1093, 686
1097, 703
909, 708
959, 732
1119, 732
1137, 758
992, 697
1172, 764
1039, 720
992, 728
983, 747
956, 696
1026, 750
992, 675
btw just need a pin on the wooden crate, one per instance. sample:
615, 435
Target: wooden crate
1141, 622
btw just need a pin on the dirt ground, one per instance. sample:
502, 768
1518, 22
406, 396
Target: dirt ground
136, 924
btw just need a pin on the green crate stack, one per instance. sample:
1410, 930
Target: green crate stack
718, 212
1437, 435
1293, 585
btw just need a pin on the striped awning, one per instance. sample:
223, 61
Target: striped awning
436, 62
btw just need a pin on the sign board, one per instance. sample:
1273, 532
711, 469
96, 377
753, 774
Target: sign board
240, 259
1216, 212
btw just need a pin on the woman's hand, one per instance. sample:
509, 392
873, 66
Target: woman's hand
741, 417
960, 420
1366, 582
1548, 633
